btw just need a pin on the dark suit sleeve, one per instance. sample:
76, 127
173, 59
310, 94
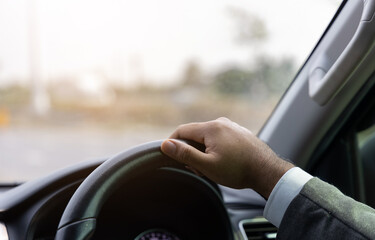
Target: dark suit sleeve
321, 211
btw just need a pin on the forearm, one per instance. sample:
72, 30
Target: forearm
321, 211
304, 207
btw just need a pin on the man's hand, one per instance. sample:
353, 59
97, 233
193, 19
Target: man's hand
234, 157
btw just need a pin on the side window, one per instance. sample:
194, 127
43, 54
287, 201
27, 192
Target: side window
346, 156
366, 155
338, 165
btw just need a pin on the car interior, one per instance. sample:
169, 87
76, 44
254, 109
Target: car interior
324, 123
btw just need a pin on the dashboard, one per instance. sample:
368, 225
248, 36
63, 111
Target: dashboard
168, 203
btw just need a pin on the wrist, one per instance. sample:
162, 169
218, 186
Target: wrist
271, 174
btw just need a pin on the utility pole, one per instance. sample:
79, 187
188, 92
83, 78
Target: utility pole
40, 102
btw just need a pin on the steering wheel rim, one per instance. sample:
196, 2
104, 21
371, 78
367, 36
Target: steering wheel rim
79, 218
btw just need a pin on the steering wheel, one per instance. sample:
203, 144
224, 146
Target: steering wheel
79, 218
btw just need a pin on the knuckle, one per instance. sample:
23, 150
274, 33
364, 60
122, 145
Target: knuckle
179, 131
183, 127
224, 119
180, 127
217, 125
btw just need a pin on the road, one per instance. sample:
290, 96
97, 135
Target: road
29, 152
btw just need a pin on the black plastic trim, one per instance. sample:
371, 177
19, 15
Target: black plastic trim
30, 192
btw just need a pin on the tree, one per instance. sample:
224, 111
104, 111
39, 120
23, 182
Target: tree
250, 28
265, 75
233, 82
274, 74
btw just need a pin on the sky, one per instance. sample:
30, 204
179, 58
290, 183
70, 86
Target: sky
146, 39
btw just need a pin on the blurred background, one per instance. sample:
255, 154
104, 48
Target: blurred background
86, 79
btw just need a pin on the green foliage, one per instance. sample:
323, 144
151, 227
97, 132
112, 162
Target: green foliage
275, 75
233, 82
268, 75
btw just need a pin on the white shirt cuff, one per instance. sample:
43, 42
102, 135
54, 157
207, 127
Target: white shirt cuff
286, 189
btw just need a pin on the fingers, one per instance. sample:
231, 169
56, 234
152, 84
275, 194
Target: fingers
196, 131
184, 153
191, 131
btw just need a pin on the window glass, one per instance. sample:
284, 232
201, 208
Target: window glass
345, 157
88, 78
366, 153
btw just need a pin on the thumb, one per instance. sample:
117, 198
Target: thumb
183, 153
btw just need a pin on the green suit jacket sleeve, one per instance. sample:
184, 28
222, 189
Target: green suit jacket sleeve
321, 211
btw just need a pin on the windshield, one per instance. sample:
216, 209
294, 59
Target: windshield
87, 79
